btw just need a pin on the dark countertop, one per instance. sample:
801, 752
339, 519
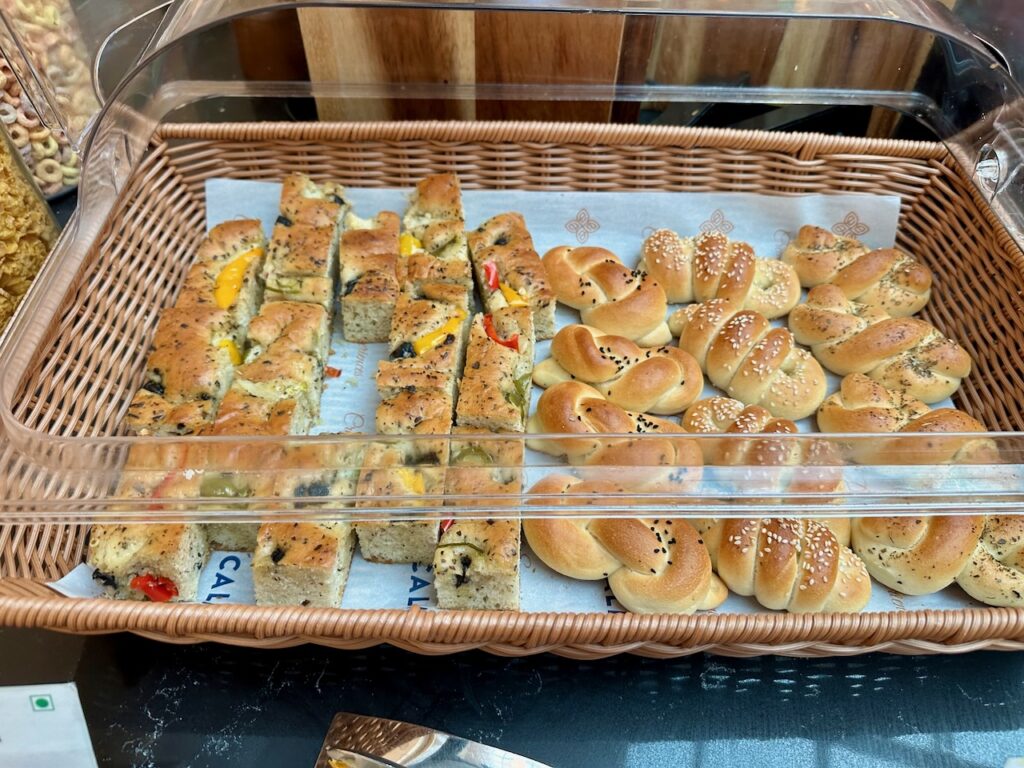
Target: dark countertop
154, 705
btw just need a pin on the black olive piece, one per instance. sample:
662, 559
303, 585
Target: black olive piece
449, 339
337, 199
154, 386
277, 555
105, 579
313, 489
463, 578
431, 459
205, 396
405, 349
284, 221
502, 240
350, 286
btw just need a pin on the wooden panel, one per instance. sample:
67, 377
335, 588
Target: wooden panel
400, 46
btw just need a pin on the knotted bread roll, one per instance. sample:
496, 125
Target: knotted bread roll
753, 362
787, 564
902, 353
576, 410
815, 463
660, 380
609, 295
863, 405
994, 573
917, 555
886, 279
652, 566
711, 266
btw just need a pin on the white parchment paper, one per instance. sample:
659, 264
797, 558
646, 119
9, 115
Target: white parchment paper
618, 221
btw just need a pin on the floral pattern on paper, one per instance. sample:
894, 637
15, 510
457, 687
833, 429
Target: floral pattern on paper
717, 223
583, 225
782, 238
851, 226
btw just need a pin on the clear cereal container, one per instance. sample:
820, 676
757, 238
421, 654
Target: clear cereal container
596, 146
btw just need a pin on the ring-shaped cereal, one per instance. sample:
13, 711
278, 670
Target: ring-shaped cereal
29, 120
40, 134
71, 175
47, 148
19, 135
8, 114
49, 171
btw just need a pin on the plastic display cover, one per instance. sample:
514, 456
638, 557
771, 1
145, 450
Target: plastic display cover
967, 100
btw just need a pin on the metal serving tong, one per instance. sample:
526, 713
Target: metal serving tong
356, 741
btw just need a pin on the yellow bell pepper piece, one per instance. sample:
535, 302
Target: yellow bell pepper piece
412, 480
428, 341
232, 348
512, 296
229, 282
408, 245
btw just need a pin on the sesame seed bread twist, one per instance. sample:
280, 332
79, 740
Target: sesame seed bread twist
652, 566
712, 266
658, 380
787, 564
902, 353
609, 295
885, 279
742, 354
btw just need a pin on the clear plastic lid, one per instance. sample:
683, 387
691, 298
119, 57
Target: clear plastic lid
670, 58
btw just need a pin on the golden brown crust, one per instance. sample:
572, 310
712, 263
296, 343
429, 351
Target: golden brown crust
609, 295
817, 255
711, 266
652, 566
225, 243
744, 355
151, 414
188, 361
437, 198
303, 201
917, 555
658, 380
243, 414
994, 574
789, 564
905, 354
863, 405
505, 242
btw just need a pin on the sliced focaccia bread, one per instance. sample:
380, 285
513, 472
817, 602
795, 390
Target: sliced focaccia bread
302, 563
495, 390
418, 412
242, 414
193, 355
427, 340
437, 200
442, 258
369, 276
148, 561
476, 566
317, 470
509, 273
226, 273
288, 342
152, 414
303, 201
482, 465
394, 477
301, 264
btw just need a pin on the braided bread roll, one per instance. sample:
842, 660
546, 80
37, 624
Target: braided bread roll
787, 564
753, 362
660, 380
917, 555
815, 462
652, 566
573, 408
711, 266
994, 573
609, 295
863, 405
902, 353
885, 279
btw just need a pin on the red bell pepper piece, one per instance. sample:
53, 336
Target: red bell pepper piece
159, 589
446, 524
491, 275
331, 372
512, 342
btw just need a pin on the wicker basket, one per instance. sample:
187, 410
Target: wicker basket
86, 369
